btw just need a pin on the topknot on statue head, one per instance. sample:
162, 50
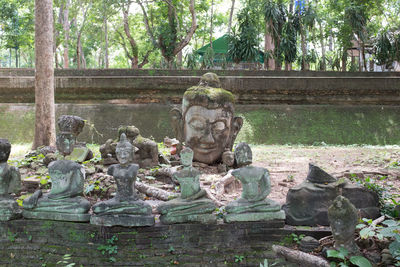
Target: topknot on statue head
5, 150
70, 124
209, 94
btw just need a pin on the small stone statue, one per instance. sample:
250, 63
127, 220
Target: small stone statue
206, 123
10, 182
192, 205
343, 218
65, 201
253, 205
125, 209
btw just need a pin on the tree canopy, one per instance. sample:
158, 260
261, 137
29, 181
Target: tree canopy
297, 34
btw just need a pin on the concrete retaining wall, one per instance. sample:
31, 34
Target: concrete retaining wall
168, 86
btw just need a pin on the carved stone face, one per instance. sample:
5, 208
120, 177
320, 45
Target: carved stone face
207, 132
124, 155
65, 143
187, 157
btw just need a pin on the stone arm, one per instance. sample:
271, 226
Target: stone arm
265, 185
110, 170
15, 180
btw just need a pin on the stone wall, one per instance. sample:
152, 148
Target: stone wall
168, 86
35, 242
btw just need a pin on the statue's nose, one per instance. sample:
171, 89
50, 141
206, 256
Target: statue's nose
207, 138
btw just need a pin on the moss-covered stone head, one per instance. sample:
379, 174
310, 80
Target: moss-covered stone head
206, 123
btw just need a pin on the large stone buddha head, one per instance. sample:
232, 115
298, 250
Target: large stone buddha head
206, 123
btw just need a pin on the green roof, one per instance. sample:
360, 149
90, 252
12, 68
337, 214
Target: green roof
220, 47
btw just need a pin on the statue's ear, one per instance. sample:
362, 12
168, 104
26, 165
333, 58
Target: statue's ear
177, 123
236, 126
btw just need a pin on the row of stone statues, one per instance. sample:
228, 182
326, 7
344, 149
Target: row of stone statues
65, 200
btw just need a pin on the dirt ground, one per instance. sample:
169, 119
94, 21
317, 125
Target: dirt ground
288, 166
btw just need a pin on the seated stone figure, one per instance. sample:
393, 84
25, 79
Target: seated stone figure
206, 123
256, 185
65, 201
192, 205
10, 182
125, 208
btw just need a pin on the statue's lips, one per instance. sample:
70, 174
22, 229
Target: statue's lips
205, 148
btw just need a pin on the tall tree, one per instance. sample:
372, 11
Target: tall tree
169, 37
45, 129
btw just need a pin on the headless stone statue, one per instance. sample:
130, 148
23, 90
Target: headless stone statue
192, 205
307, 203
343, 218
10, 182
65, 201
256, 185
125, 208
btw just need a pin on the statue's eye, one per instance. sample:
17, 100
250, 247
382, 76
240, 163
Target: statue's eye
197, 124
219, 126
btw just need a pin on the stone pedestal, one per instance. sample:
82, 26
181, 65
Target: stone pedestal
182, 211
122, 220
243, 211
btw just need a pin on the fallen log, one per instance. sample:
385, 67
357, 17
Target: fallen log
224, 182
299, 257
155, 192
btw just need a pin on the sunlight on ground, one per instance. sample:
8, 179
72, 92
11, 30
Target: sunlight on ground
20, 150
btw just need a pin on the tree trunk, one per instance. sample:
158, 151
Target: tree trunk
231, 16
66, 34
132, 42
344, 60
269, 46
16, 57
323, 52
106, 42
44, 75
211, 22
304, 64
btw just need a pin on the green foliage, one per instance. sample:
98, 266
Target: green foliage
207, 60
243, 44
293, 239
191, 60
11, 236
387, 201
65, 261
109, 248
343, 256
239, 258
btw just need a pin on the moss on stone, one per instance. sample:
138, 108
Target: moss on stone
218, 95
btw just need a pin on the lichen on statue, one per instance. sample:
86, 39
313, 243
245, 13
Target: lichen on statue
10, 182
125, 208
206, 123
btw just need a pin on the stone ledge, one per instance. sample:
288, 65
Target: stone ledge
34, 242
